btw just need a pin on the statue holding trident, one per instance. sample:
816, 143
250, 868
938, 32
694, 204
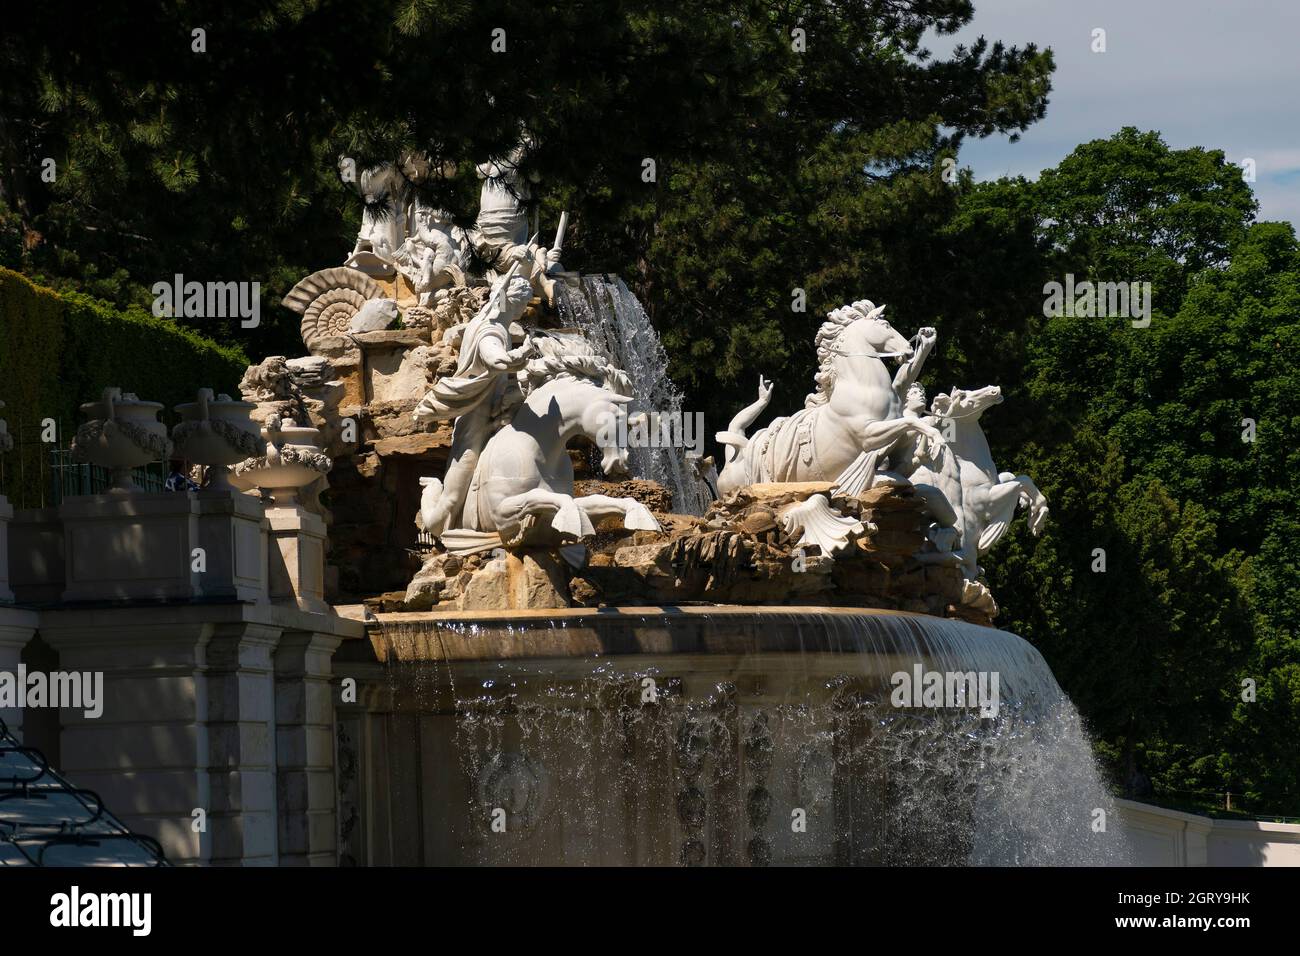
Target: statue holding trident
500, 234
474, 394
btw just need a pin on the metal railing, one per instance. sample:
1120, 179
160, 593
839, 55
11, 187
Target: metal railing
39, 473
46, 821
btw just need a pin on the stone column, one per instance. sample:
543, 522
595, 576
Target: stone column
304, 749
16, 629
241, 744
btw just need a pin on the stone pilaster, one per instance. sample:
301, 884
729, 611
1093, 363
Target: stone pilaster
241, 744
16, 629
304, 730
147, 754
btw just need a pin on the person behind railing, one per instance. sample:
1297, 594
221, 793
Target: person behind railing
178, 480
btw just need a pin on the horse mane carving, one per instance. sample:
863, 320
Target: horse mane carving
571, 357
829, 333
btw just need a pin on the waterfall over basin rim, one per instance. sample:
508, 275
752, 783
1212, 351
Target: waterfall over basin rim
889, 638
722, 734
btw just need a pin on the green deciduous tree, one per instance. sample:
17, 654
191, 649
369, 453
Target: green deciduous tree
783, 158
1137, 437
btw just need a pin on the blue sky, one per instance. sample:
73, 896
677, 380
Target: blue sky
1222, 74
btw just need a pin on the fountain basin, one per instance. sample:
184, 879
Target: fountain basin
706, 735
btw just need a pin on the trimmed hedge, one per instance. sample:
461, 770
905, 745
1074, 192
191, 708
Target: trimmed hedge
59, 350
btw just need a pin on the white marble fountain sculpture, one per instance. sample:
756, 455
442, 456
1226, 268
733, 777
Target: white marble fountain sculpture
400, 233
509, 481
864, 426
500, 233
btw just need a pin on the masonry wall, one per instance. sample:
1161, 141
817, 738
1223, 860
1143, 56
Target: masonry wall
1161, 837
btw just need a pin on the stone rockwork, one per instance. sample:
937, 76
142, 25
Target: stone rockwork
489, 581
373, 442
375, 351
740, 552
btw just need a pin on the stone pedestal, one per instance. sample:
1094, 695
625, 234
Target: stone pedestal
147, 547
36, 560
297, 558
6, 516
16, 629
130, 546
233, 534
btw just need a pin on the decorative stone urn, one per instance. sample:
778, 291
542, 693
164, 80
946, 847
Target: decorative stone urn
122, 433
216, 432
292, 461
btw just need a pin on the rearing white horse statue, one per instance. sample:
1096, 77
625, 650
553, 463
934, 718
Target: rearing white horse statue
852, 421
522, 490
966, 491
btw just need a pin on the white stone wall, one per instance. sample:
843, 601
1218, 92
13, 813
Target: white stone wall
1162, 837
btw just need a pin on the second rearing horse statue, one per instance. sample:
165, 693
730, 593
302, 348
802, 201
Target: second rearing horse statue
850, 423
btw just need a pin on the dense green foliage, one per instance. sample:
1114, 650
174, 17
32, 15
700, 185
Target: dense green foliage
221, 164
1136, 435
825, 169
59, 350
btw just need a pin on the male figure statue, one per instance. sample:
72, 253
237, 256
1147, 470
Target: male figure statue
500, 234
473, 394
862, 473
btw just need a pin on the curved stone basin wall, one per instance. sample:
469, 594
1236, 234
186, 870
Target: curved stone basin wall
720, 736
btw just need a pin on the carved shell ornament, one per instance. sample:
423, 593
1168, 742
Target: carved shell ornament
821, 525
327, 300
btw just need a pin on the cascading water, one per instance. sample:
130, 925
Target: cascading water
615, 323
751, 737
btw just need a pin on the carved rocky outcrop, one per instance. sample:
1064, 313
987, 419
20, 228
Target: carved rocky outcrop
739, 553
742, 552
500, 581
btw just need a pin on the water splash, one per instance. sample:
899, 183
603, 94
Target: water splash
615, 323
757, 720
